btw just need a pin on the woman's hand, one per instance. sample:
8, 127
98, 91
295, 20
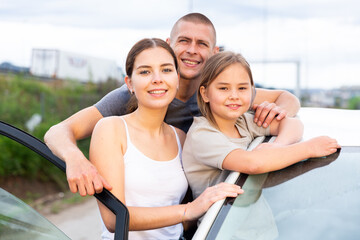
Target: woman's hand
200, 205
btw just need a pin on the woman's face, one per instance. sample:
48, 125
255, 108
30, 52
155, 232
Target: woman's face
229, 94
154, 78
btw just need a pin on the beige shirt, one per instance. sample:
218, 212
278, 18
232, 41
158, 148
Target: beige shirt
206, 147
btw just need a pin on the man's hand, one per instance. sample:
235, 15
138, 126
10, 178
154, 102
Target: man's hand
84, 178
266, 112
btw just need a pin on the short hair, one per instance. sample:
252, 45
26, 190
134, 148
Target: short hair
213, 67
194, 18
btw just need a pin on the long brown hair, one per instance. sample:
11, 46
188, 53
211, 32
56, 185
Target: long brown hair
215, 65
138, 48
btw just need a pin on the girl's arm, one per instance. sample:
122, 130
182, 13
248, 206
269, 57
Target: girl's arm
108, 145
270, 159
288, 130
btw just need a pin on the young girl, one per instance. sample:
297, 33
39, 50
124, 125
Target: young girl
139, 154
218, 141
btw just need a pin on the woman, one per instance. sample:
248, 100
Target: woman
140, 155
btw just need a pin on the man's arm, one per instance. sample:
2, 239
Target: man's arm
269, 104
61, 138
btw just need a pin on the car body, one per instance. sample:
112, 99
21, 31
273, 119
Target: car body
313, 199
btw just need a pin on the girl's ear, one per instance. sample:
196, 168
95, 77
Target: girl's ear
128, 83
203, 94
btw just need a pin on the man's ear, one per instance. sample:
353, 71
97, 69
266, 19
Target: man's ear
168, 41
128, 83
216, 49
203, 94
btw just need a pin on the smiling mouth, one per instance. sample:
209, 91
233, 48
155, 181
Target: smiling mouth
233, 106
157, 91
190, 62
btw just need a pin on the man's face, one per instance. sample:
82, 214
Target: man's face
193, 44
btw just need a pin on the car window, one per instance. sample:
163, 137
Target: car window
19, 221
313, 198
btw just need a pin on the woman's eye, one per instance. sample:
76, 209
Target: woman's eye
144, 72
167, 70
223, 88
242, 88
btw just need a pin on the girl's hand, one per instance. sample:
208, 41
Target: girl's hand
200, 205
322, 146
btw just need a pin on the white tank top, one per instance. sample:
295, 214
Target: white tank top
142, 174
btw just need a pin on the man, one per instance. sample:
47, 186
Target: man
193, 39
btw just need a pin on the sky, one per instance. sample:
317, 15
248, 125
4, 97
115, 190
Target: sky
309, 43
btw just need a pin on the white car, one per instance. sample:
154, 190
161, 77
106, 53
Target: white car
317, 198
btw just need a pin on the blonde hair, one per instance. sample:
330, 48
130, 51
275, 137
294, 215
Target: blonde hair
213, 67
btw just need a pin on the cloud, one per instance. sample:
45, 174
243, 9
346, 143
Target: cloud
322, 35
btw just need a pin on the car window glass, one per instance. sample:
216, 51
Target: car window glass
21, 222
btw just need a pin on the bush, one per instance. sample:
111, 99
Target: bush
22, 97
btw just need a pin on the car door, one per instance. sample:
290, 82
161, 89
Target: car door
105, 197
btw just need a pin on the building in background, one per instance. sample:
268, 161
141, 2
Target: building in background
58, 64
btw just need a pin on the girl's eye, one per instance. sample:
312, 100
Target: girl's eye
144, 72
242, 88
223, 88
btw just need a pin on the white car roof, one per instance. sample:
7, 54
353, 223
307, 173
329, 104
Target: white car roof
341, 124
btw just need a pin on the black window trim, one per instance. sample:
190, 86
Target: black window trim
105, 197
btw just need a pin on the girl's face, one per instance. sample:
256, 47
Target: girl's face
229, 94
154, 79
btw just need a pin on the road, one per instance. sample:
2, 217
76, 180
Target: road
79, 222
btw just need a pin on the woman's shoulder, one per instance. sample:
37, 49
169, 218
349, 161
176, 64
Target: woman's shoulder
110, 125
181, 134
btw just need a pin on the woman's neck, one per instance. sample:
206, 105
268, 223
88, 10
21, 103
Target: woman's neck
148, 119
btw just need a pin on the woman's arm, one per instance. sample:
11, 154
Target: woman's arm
270, 159
108, 145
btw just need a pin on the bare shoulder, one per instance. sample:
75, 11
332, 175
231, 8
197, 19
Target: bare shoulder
181, 134
110, 127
